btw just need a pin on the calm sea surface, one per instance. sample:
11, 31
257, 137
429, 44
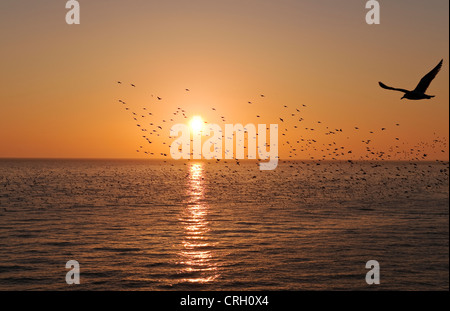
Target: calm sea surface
143, 225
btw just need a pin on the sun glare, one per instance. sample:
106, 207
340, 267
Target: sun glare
197, 124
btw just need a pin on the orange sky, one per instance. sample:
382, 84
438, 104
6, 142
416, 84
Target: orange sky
59, 96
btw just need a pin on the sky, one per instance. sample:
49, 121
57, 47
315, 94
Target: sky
59, 96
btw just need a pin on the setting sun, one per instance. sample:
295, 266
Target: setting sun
196, 124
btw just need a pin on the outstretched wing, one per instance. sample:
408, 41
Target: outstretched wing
384, 86
426, 81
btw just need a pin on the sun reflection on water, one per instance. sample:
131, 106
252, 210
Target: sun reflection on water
196, 255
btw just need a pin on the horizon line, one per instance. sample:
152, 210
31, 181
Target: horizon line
205, 160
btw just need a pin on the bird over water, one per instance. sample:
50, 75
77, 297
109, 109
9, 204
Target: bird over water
419, 92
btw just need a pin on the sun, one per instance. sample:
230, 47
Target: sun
196, 124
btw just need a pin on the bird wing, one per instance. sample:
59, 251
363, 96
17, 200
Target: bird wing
384, 86
426, 81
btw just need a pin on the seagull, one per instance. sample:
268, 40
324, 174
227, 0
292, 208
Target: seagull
419, 92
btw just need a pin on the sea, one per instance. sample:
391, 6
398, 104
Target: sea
150, 225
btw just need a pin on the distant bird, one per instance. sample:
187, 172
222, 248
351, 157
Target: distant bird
419, 92
133, 85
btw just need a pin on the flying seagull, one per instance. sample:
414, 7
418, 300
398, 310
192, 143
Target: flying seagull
419, 92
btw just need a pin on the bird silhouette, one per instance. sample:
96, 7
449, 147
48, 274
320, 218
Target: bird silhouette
419, 92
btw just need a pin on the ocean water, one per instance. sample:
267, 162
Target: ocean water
149, 225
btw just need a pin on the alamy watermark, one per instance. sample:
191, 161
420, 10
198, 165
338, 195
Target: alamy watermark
217, 143
373, 276
73, 276
373, 16
73, 15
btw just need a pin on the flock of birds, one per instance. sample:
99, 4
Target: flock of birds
300, 140
407, 171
